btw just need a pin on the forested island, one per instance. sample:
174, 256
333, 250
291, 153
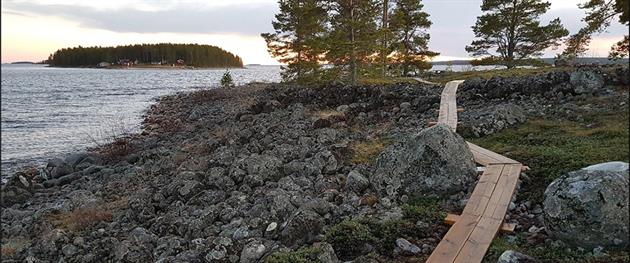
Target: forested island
164, 54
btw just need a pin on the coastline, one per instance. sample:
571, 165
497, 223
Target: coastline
271, 166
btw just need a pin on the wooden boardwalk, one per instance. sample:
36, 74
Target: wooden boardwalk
473, 231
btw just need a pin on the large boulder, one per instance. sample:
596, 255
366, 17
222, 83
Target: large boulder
435, 161
491, 119
588, 208
609, 166
586, 81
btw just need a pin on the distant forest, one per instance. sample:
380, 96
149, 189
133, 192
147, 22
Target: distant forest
163, 54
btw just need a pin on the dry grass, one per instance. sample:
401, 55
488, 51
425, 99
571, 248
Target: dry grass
12, 247
83, 218
221, 133
365, 152
326, 114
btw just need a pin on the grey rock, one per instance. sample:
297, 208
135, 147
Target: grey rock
343, 108
69, 250
252, 252
75, 158
406, 247
435, 161
588, 208
58, 168
609, 166
326, 253
217, 253
511, 256
302, 228
491, 119
357, 182
586, 81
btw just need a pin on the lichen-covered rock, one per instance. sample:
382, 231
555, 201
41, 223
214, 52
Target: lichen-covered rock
586, 81
356, 182
435, 161
492, 119
588, 208
302, 227
511, 256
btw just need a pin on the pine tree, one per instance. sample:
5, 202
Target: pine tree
514, 29
226, 80
354, 35
296, 41
599, 15
409, 25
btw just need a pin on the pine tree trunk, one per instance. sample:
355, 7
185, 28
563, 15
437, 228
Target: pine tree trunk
385, 28
353, 56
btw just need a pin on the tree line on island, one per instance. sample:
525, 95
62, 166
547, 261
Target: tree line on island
156, 54
323, 40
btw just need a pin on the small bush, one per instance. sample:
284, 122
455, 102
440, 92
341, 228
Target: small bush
349, 238
302, 255
226, 80
426, 209
117, 150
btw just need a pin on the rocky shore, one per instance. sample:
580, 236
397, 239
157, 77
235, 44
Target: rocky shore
282, 173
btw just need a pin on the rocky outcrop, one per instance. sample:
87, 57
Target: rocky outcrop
511, 256
588, 208
491, 119
586, 81
435, 161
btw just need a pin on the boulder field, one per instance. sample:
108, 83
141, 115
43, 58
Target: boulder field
258, 172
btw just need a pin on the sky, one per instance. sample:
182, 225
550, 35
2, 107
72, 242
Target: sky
31, 30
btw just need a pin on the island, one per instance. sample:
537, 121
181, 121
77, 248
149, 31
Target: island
164, 55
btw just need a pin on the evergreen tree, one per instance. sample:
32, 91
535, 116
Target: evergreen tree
599, 15
354, 35
409, 25
514, 29
299, 28
226, 80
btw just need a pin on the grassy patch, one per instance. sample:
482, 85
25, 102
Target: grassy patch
350, 237
365, 152
12, 246
302, 255
549, 253
554, 147
426, 209
83, 218
325, 114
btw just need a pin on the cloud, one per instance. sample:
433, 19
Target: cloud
251, 19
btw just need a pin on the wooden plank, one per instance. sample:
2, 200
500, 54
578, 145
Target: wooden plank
452, 242
487, 155
477, 244
479, 241
480, 196
451, 219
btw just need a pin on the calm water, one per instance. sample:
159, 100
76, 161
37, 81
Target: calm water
51, 111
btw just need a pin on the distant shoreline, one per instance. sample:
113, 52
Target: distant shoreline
147, 67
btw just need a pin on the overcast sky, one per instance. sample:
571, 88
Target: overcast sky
33, 29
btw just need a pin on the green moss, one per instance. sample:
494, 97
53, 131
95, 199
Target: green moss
350, 237
554, 147
302, 255
426, 209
